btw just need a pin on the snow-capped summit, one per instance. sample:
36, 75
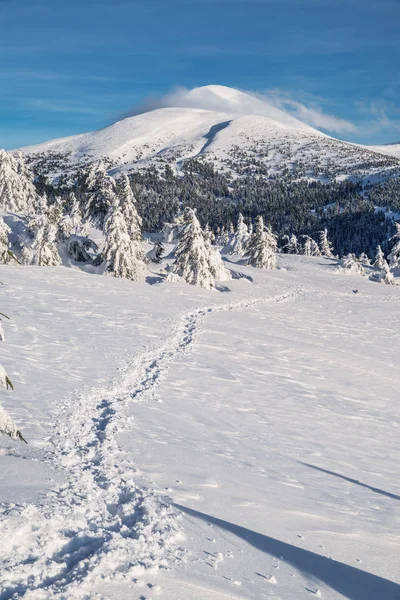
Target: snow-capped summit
222, 98
237, 131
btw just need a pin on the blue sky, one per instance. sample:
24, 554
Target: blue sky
70, 66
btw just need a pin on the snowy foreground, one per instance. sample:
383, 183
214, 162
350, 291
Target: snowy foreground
188, 444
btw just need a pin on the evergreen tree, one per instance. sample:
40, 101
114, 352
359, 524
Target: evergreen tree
379, 258
192, 255
293, 245
120, 252
101, 190
262, 247
364, 259
240, 239
39, 247
17, 192
128, 206
310, 247
5, 252
75, 213
156, 253
325, 245
217, 267
394, 256
351, 265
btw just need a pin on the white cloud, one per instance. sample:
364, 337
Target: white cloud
269, 104
312, 114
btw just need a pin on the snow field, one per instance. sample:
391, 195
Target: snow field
225, 433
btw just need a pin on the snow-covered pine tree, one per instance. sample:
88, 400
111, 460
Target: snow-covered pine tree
364, 259
5, 252
240, 239
128, 206
171, 231
192, 255
100, 195
75, 213
262, 247
217, 266
120, 251
156, 254
388, 277
394, 256
325, 245
7, 425
39, 246
209, 234
350, 265
55, 211
17, 192
379, 258
384, 275
222, 238
293, 246
310, 247
78, 248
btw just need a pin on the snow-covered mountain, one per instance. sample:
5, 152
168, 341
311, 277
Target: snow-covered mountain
234, 130
389, 149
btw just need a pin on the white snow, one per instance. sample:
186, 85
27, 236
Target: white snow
389, 149
213, 122
267, 415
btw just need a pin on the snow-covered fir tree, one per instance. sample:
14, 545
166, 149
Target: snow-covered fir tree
240, 239
379, 258
5, 252
55, 211
192, 254
156, 254
222, 238
293, 246
128, 206
388, 277
78, 248
217, 266
262, 247
394, 255
325, 245
65, 227
364, 259
17, 192
209, 234
350, 265
120, 253
171, 231
39, 246
310, 247
101, 189
75, 213
384, 275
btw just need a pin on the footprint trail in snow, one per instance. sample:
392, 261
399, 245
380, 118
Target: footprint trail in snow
99, 526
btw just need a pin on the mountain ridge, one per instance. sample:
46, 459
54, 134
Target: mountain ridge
239, 139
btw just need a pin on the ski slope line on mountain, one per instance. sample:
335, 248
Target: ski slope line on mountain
100, 525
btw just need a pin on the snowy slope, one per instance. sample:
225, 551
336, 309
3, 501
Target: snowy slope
234, 129
389, 149
267, 416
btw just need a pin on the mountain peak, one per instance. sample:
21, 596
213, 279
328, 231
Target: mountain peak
220, 98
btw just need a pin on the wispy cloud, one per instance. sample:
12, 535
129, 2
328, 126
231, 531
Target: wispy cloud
312, 114
249, 103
